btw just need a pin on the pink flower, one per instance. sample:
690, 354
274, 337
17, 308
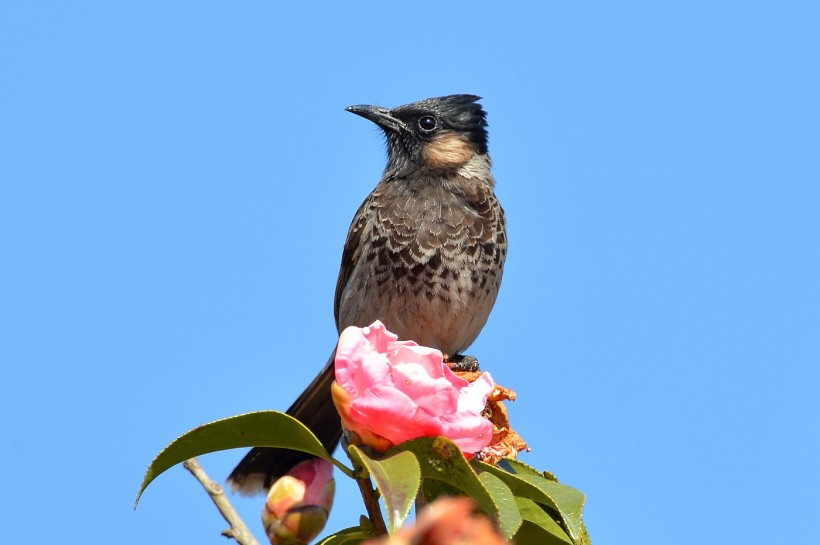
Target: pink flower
299, 503
390, 391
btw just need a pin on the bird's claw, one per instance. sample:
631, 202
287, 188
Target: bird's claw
460, 362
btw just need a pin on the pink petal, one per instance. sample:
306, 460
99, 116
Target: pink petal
347, 358
430, 359
393, 415
378, 336
357, 364
471, 433
374, 368
436, 396
473, 398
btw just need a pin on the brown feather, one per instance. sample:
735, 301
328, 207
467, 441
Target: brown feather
424, 254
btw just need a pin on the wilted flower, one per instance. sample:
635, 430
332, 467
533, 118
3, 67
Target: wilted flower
506, 442
299, 503
389, 391
447, 521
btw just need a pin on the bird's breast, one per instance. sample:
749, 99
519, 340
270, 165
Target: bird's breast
430, 265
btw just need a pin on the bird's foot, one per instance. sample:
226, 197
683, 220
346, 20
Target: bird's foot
460, 362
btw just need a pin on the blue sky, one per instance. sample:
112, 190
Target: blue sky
176, 182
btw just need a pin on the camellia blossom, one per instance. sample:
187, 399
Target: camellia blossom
389, 391
299, 503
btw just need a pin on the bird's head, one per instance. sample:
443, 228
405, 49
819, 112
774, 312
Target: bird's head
437, 134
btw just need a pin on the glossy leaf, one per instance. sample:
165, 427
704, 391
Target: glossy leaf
398, 477
440, 459
258, 429
504, 499
520, 486
538, 527
526, 481
432, 489
348, 536
532, 534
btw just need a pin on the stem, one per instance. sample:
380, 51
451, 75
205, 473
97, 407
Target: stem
420, 502
238, 530
371, 503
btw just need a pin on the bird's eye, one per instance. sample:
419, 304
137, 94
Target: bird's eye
428, 123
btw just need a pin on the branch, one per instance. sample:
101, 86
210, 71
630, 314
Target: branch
238, 530
371, 503
421, 503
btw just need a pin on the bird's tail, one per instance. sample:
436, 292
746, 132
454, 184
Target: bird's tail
314, 408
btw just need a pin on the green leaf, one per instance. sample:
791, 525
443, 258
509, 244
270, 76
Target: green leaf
532, 534
517, 466
504, 499
520, 486
432, 489
538, 527
259, 429
525, 481
398, 477
441, 459
348, 536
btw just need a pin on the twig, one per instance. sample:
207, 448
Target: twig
421, 503
238, 530
371, 503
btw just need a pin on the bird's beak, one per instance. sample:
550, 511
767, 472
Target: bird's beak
378, 115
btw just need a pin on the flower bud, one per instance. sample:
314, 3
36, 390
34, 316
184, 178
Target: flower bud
299, 503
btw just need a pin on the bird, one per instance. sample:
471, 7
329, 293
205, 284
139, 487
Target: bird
424, 254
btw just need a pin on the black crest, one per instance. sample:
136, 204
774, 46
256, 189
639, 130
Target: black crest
461, 113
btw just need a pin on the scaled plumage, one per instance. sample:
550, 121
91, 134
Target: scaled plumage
424, 253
